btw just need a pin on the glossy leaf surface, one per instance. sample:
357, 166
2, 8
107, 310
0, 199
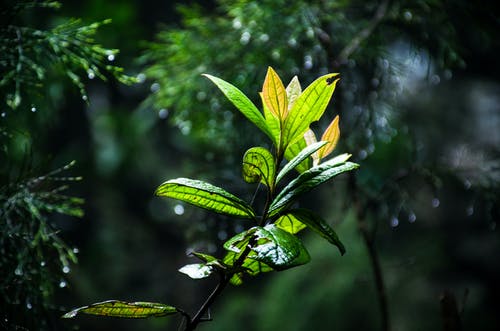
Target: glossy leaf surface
274, 95
241, 101
308, 108
318, 225
197, 270
114, 308
259, 166
206, 196
311, 179
301, 156
290, 223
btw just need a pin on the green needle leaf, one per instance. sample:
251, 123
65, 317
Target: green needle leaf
258, 165
242, 102
310, 179
206, 196
114, 308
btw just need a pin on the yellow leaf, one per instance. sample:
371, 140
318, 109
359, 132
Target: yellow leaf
274, 95
331, 135
293, 90
310, 139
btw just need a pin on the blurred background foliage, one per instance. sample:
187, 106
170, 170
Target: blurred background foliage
419, 109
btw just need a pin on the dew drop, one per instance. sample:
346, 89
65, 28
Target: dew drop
435, 202
66, 269
179, 209
163, 113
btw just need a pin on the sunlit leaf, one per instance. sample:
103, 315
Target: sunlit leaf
293, 90
331, 135
259, 166
304, 154
242, 102
205, 195
274, 95
310, 179
290, 223
273, 123
308, 107
197, 270
318, 225
310, 139
114, 308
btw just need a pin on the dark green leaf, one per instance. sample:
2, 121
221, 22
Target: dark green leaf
301, 156
293, 150
258, 165
318, 225
114, 308
241, 101
205, 195
311, 179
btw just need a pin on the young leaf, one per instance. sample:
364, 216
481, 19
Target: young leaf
290, 223
205, 195
318, 225
310, 179
273, 123
304, 154
331, 135
293, 90
114, 308
241, 101
274, 95
258, 165
308, 107
197, 270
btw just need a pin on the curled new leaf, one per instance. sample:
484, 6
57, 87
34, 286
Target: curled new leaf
258, 165
310, 179
206, 196
114, 308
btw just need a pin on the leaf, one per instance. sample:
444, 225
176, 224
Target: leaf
304, 154
273, 124
259, 166
318, 225
310, 179
293, 90
205, 195
242, 102
308, 107
331, 135
270, 245
114, 308
197, 270
293, 150
290, 223
278, 249
274, 95
310, 139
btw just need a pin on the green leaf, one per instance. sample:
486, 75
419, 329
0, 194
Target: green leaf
318, 225
197, 270
273, 124
114, 308
304, 154
258, 165
274, 95
242, 102
290, 223
205, 195
293, 150
308, 107
310, 179
270, 245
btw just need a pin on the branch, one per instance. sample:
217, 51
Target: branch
350, 48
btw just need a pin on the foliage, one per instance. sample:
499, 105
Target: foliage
271, 244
